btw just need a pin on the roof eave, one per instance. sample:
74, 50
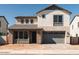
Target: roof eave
73, 18
25, 17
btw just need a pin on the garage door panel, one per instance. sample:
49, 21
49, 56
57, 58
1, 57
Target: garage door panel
53, 37
59, 40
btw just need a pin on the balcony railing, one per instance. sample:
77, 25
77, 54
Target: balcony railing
58, 24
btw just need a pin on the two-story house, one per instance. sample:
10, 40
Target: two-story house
49, 26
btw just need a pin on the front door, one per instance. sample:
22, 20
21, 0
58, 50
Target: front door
33, 39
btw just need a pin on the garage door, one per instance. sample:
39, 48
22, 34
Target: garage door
53, 37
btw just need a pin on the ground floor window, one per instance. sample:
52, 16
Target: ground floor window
25, 35
20, 35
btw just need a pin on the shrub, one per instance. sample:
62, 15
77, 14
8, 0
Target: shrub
1, 33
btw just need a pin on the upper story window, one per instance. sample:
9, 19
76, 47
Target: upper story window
22, 21
43, 16
58, 20
27, 20
18, 20
78, 24
31, 21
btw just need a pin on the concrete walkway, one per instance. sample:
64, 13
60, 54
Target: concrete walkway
39, 49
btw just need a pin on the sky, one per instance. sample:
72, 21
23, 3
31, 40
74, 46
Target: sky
10, 11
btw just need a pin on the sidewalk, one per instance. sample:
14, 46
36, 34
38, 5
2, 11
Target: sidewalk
39, 49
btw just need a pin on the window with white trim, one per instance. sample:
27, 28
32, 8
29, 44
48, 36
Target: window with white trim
58, 20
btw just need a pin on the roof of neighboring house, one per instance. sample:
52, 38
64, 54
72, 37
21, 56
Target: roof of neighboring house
73, 18
53, 7
25, 17
5, 19
18, 26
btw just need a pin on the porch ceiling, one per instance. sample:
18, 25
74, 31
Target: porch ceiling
31, 27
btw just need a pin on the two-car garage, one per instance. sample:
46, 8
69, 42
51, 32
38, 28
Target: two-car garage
53, 37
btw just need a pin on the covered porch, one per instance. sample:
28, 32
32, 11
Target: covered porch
20, 35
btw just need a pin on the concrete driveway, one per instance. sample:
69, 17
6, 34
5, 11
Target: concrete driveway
39, 49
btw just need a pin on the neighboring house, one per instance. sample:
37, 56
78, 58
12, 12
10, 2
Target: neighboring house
3, 29
49, 26
3, 25
74, 27
74, 30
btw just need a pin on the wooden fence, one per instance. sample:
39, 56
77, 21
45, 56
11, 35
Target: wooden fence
74, 40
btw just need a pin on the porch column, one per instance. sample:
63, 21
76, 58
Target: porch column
29, 36
39, 37
67, 38
10, 37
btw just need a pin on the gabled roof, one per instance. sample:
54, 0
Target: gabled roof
5, 19
73, 18
53, 7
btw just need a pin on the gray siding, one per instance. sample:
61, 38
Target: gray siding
4, 25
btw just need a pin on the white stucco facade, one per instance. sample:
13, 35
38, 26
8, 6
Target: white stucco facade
48, 21
74, 29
